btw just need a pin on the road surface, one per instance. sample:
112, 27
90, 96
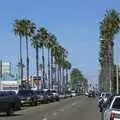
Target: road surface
77, 108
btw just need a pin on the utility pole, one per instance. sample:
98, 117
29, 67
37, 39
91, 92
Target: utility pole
117, 79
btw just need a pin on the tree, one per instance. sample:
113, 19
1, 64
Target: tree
50, 44
43, 35
76, 76
67, 66
18, 31
35, 44
109, 27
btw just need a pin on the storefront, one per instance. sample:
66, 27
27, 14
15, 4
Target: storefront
8, 82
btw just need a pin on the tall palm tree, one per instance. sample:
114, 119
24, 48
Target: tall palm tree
43, 35
35, 44
67, 66
53, 50
28, 30
18, 31
50, 44
109, 27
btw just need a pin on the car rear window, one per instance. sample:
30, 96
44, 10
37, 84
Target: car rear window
116, 104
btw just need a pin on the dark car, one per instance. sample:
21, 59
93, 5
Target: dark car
50, 96
27, 97
41, 96
55, 95
91, 93
9, 102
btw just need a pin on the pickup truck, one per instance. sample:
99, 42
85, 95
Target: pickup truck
113, 111
9, 102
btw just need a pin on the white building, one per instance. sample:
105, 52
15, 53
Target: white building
5, 67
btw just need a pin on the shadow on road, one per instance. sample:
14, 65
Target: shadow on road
14, 115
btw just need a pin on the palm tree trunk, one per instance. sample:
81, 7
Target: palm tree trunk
63, 81
110, 53
55, 73
58, 78
48, 68
66, 83
27, 62
37, 66
43, 62
60, 71
21, 63
51, 70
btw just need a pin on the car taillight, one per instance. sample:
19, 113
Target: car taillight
112, 116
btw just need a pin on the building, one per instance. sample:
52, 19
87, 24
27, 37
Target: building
5, 67
8, 82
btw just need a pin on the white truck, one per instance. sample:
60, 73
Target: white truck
113, 111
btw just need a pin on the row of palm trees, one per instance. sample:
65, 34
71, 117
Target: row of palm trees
40, 40
109, 27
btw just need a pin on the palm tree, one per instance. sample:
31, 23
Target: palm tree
59, 60
28, 30
63, 56
53, 50
43, 35
35, 44
108, 29
50, 44
67, 66
18, 31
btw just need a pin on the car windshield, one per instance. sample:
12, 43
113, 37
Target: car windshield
116, 104
25, 92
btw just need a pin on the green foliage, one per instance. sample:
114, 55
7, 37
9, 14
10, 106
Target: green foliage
76, 75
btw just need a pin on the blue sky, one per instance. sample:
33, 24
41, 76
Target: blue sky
74, 22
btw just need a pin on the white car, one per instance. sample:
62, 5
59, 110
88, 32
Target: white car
113, 112
73, 94
86, 94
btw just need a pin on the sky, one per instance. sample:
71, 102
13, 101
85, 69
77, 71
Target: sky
74, 22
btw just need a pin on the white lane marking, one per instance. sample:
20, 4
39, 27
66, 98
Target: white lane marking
61, 109
54, 114
73, 104
44, 118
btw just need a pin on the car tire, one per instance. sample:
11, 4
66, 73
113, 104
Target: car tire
10, 110
35, 103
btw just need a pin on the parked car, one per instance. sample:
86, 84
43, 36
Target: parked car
73, 93
62, 96
68, 94
41, 96
86, 93
113, 110
27, 97
91, 93
9, 102
55, 95
49, 95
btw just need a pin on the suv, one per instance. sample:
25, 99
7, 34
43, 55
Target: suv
41, 96
9, 102
27, 97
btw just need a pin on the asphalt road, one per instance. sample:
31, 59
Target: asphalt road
77, 108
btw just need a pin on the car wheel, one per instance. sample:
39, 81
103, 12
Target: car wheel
36, 103
10, 111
